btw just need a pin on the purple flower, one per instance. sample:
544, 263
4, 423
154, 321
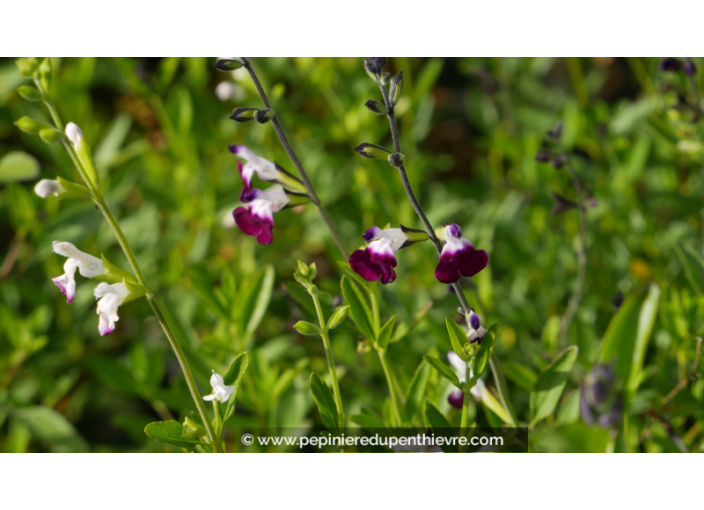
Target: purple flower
456, 398
257, 219
377, 260
600, 400
459, 257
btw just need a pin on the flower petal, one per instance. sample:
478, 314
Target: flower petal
361, 263
253, 225
456, 399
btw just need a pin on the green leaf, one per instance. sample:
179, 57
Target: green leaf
573, 438
693, 267
404, 328
444, 370
306, 328
368, 421
18, 166
385, 333
253, 300
324, 399
550, 385
203, 285
485, 350
521, 375
29, 93
361, 315
627, 337
52, 429
458, 338
171, 432
368, 286
233, 377
338, 316
416, 392
439, 425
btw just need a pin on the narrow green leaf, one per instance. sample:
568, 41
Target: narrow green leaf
443, 370
406, 327
18, 166
361, 315
521, 375
439, 425
385, 333
458, 338
693, 267
52, 429
627, 336
203, 285
550, 385
233, 377
485, 350
324, 399
170, 432
416, 392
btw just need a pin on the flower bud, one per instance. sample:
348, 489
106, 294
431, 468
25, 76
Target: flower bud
31, 126
338, 316
27, 66
670, 65
45, 75
73, 133
47, 187
396, 88
542, 156
378, 62
264, 116
29, 93
396, 160
243, 114
75, 136
385, 79
49, 135
561, 204
302, 268
375, 107
371, 151
312, 271
556, 131
230, 63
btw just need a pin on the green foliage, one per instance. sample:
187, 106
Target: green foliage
469, 131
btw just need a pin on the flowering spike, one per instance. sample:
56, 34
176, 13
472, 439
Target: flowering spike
458, 256
371, 151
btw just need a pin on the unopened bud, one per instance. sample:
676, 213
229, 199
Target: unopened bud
312, 271
27, 66
375, 107
385, 79
396, 88
302, 268
556, 131
49, 135
73, 133
264, 116
670, 65
47, 187
371, 151
542, 156
378, 62
230, 63
31, 126
243, 114
396, 160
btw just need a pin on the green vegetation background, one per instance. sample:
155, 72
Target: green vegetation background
470, 129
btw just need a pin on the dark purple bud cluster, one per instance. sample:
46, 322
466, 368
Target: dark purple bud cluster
685, 101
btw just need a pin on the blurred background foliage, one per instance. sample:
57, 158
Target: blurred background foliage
470, 129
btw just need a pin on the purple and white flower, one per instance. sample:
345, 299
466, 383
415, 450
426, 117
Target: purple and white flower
257, 219
458, 257
377, 261
88, 265
109, 297
476, 330
221, 392
48, 187
456, 398
265, 170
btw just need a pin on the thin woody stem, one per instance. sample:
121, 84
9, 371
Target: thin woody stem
291, 154
573, 304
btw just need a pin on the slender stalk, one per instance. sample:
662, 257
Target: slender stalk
392, 389
291, 154
573, 304
459, 292
105, 210
313, 291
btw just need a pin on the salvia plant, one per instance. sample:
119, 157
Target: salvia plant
544, 298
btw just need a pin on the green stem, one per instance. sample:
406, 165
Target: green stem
375, 310
392, 387
291, 154
468, 385
313, 291
178, 351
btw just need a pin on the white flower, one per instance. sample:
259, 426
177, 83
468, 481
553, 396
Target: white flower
109, 297
88, 265
265, 169
73, 133
460, 366
47, 187
221, 393
225, 90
